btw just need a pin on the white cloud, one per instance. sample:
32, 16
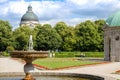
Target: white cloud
49, 10
70, 22
92, 4
18, 7
70, 11
4, 11
79, 2
52, 10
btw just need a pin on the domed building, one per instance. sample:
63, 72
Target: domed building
112, 38
29, 18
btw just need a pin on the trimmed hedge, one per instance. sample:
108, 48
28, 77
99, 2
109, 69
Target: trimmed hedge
79, 54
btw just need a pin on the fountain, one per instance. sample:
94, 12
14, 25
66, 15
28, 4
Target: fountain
28, 57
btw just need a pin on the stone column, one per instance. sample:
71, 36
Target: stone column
106, 49
112, 49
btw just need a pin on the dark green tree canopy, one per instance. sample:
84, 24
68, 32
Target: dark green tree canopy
67, 35
21, 37
5, 35
88, 37
85, 36
47, 38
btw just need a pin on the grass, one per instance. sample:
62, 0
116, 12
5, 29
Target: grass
58, 63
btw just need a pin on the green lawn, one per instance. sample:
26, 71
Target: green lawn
56, 63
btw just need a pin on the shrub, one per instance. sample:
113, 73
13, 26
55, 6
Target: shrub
79, 54
6, 54
10, 48
64, 54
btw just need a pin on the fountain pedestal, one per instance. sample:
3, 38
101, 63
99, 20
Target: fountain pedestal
28, 68
28, 77
29, 56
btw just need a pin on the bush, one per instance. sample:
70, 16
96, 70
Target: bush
79, 54
10, 48
94, 54
64, 54
6, 54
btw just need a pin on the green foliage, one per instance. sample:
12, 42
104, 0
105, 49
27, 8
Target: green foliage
86, 36
67, 35
5, 35
64, 54
47, 38
78, 54
100, 24
10, 48
21, 37
6, 54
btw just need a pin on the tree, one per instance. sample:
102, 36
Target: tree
47, 38
100, 24
21, 37
5, 35
88, 38
67, 34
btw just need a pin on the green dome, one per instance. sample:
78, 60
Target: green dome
29, 15
114, 20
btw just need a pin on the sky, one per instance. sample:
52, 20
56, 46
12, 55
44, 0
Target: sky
72, 12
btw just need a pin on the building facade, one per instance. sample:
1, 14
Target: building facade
112, 38
29, 18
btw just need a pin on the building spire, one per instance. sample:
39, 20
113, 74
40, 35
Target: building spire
30, 8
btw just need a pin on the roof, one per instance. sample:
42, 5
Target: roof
114, 20
29, 15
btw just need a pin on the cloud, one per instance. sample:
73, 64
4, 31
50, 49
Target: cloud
70, 21
78, 2
52, 11
99, 8
15, 9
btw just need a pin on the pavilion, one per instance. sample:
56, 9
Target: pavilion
112, 38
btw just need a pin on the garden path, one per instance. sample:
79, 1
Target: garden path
11, 65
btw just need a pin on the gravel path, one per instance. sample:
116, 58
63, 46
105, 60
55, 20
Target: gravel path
103, 70
11, 65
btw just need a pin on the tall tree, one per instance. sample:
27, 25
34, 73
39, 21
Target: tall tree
67, 35
21, 37
88, 37
100, 24
47, 38
5, 35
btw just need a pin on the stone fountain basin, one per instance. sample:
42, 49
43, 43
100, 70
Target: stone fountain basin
29, 54
50, 76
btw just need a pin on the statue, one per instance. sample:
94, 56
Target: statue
30, 47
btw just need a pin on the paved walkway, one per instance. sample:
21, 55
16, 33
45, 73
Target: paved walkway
103, 70
11, 65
